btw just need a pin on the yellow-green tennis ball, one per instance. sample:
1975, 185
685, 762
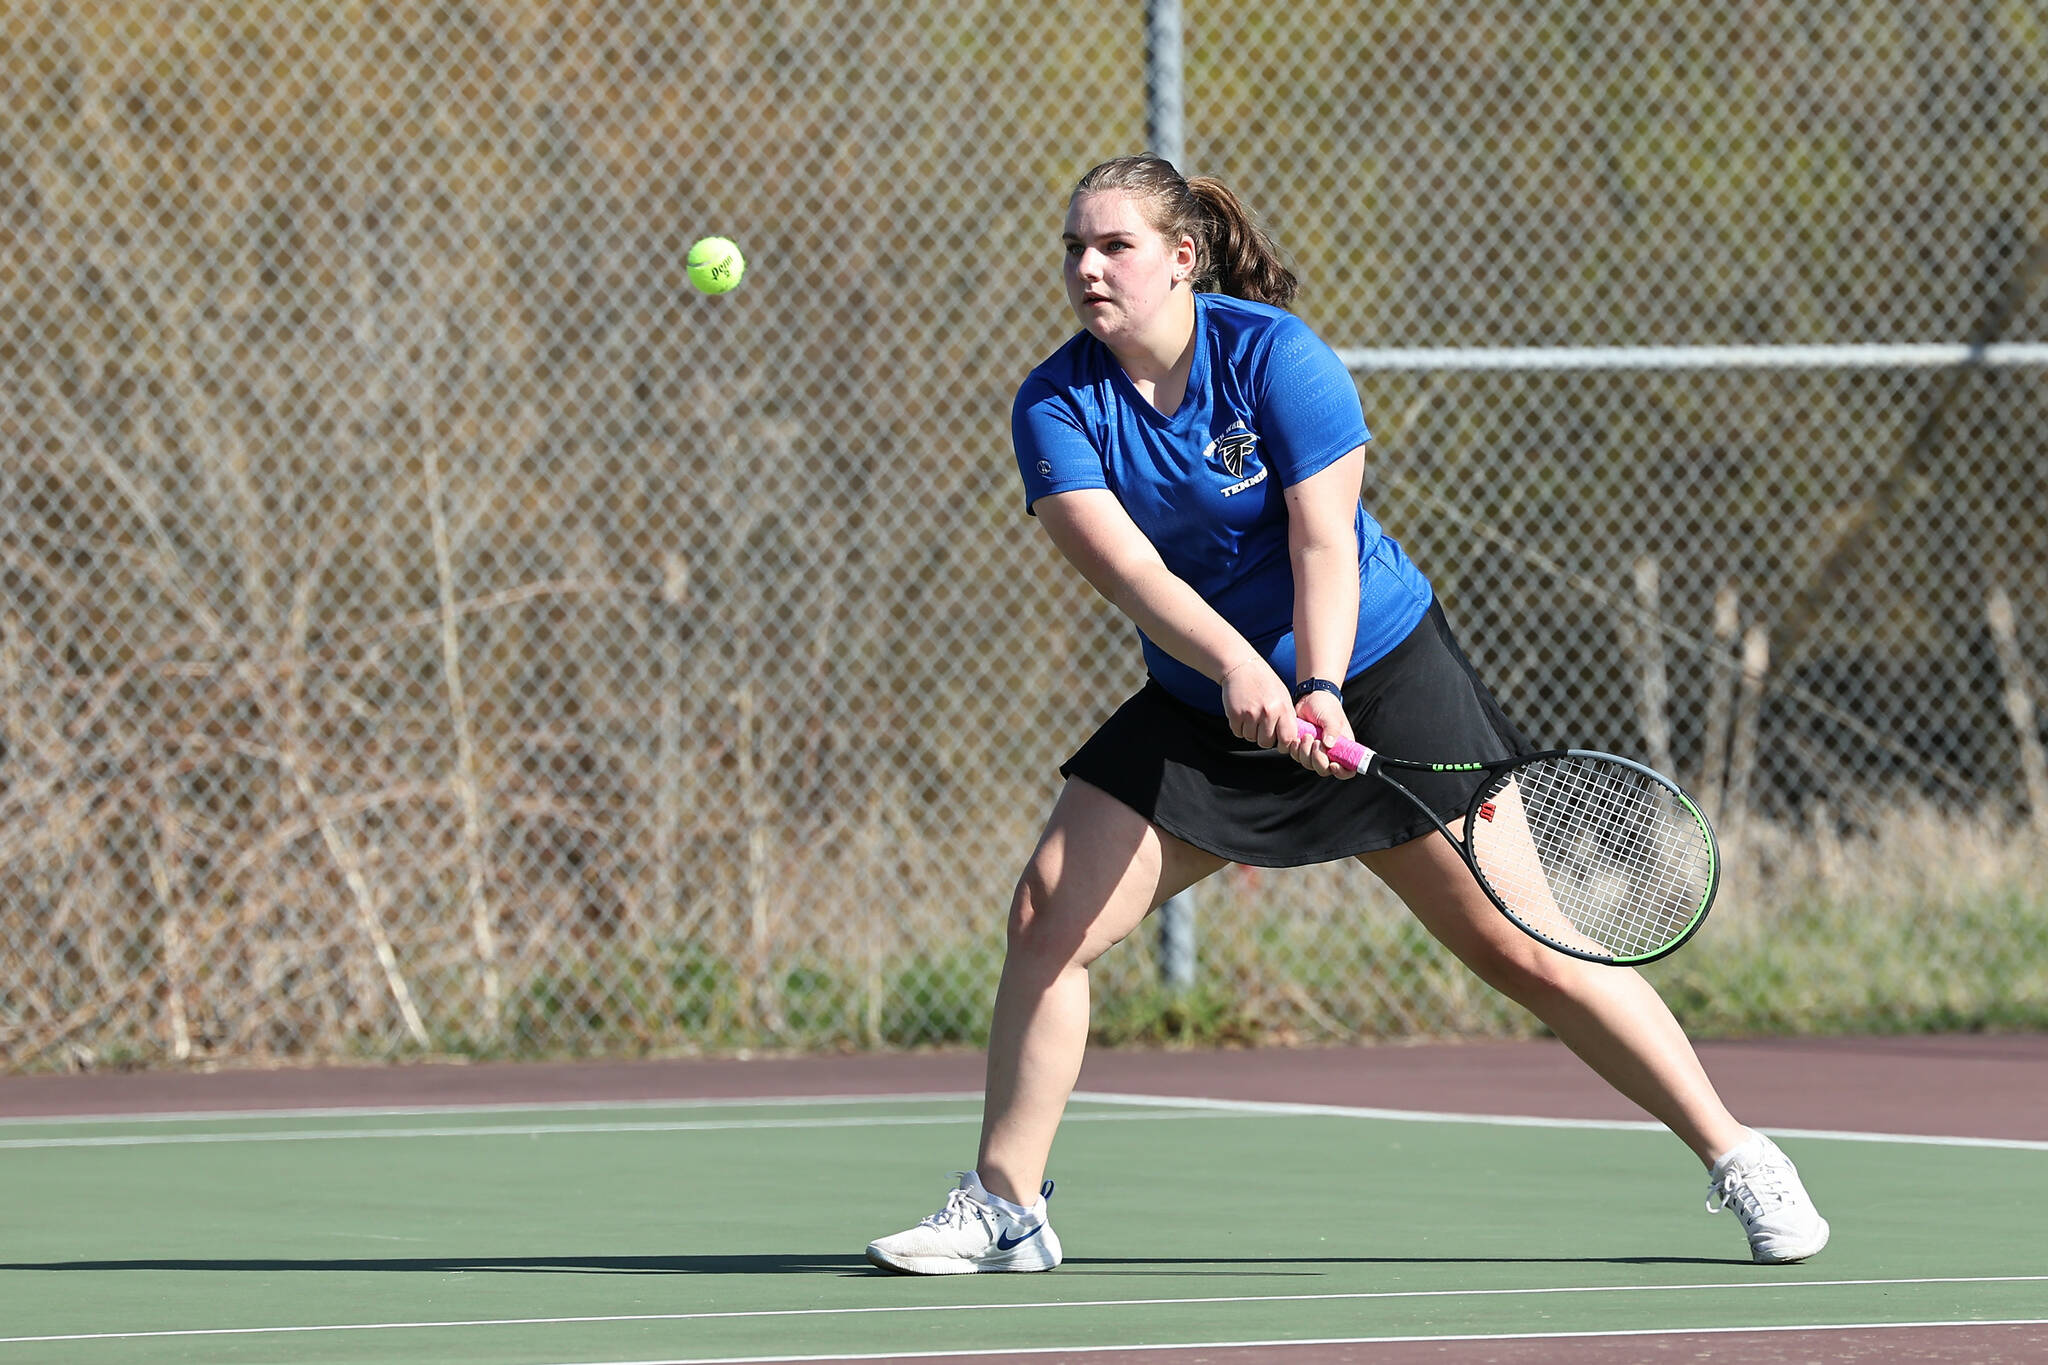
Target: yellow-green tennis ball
716, 265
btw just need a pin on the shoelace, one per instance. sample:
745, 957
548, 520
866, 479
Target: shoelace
960, 1206
1751, 1190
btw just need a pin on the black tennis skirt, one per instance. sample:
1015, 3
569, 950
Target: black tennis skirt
1184, 771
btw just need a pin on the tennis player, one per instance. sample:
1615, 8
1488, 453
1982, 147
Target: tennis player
1196, 453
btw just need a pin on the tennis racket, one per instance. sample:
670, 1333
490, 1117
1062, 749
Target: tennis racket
1595, 855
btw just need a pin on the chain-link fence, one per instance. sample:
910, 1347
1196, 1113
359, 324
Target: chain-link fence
425, 623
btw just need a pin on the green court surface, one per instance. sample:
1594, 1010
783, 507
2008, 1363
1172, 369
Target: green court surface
722, 1230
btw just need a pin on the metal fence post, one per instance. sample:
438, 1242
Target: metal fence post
1163, 111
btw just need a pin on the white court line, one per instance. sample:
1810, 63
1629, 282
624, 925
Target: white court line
1037, 1307
1220, 1108
1521, 1121
1182, 1106
538, 1107
1316, 1341
1151, 1115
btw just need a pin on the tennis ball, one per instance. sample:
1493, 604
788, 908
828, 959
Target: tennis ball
716, 265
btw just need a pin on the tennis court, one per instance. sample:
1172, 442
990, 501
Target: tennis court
1478, 1202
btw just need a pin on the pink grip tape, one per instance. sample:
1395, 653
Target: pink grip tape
1345, 753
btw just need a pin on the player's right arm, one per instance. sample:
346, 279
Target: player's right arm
1091, 528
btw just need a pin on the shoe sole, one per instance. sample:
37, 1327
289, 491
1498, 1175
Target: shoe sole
1800, 1253
949, 1265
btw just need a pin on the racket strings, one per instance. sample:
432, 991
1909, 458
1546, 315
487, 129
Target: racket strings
1595, 855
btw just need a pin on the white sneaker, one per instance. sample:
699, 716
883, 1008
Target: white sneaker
971, 1234
1760, 1183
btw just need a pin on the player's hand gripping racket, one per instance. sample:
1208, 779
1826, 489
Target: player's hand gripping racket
1592, 854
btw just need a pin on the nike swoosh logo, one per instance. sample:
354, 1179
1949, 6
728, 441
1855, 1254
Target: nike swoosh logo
1005, 1242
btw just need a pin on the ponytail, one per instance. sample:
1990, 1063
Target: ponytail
1238, 257
1233, 254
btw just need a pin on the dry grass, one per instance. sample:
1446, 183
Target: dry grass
188, 901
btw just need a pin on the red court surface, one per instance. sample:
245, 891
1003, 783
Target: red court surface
1965, 1085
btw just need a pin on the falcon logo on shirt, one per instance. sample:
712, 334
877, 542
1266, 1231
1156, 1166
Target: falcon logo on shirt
1234, 450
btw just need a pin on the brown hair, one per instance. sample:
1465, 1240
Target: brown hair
1233, 254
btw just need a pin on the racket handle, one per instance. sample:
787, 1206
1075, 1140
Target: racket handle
1345, 753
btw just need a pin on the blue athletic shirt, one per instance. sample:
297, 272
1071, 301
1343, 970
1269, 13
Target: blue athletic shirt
1268, 404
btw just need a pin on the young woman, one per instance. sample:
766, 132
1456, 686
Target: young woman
1196, 452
